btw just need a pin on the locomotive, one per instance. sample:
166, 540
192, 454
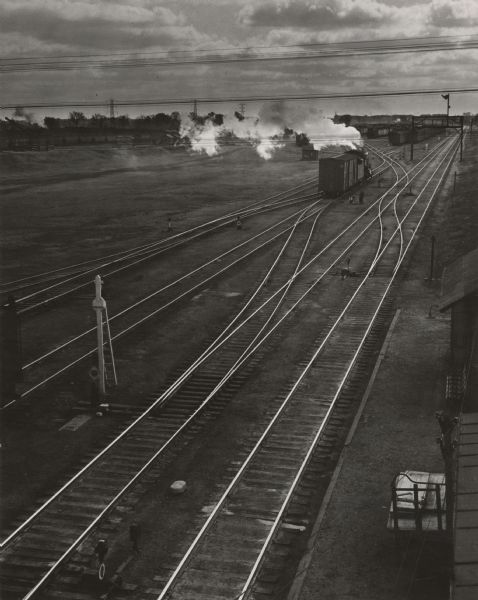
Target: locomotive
337, 174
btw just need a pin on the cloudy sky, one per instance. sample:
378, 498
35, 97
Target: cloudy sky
112, 30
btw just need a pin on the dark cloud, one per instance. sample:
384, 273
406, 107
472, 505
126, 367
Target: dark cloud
96, 31
328, 14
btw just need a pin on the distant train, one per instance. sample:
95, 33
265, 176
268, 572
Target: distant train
375, 131
337, 174
397, 137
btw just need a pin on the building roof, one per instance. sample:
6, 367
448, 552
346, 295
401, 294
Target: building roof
460, 279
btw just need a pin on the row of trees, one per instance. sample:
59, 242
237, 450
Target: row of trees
160, 120
78, 119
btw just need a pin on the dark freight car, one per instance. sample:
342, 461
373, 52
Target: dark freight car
398, 137
309, 152
375, 131
340, 173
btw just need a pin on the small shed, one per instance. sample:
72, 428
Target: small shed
460, 296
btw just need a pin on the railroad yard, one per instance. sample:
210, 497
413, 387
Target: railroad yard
279, 359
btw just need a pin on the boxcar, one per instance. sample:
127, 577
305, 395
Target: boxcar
376, 131
338, 174
403, 136
309, 152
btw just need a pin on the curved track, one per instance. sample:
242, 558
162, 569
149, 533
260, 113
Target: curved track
28, 560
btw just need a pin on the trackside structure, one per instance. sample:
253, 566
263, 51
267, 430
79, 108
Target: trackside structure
460, 296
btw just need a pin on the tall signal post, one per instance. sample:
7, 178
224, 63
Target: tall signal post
412, 135
99, 306
447, 98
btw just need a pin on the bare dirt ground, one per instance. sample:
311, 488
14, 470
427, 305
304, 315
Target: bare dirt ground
134, 207
50, 219
354, 557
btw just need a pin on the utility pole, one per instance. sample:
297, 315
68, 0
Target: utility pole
447, 98
461, 137
99, 306
432, 257
112, 109
195, 109
412, 135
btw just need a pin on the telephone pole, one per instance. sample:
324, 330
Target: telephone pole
412, 136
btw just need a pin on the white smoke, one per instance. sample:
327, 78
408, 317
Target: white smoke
203, 138
266, 131
309, 120
263, 136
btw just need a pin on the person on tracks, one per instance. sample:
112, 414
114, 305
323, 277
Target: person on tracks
238, 222
134, 536
101, 550
170, 225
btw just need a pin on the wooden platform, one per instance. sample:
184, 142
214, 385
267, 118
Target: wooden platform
466, 511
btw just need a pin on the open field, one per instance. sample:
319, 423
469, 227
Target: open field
65, 206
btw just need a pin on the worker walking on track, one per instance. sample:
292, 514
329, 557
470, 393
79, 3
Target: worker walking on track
101, 550
134, 536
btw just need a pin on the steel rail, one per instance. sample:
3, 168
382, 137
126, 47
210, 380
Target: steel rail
232, 484
95, 459
145, 247
400, 260
161, 399
76, 338
70, 365
120, 334
169, 285
148, 254
165, 240
388, 159
84, 534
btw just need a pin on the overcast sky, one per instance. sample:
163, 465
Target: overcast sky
36, 28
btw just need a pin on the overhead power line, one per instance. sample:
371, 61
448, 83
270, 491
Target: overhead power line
240, 55
238, 99
456, 39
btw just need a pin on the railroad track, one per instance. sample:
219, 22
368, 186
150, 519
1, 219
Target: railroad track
77, 341
59, 284
129, 454
37, 362
234, 540
15, 555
